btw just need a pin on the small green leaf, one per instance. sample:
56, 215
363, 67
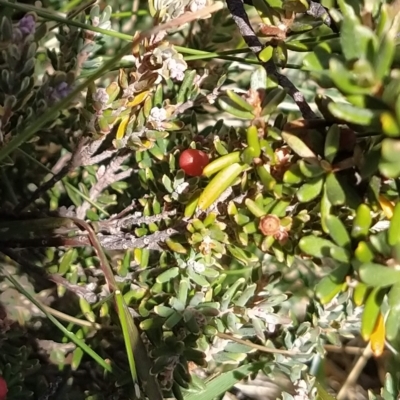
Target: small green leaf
354, 115
310, 170
319, 247
332, 142
223, 382
322, 393
385, 54
310, 190
364, 252
332, 284
232, 108
393, 318
168, 275
394, 228
186, 86
360, 293
66, 261
334, 190
297, 145
377, 275
272, 100
266, 53
371, 312
241, 103
293, 176
338, 232
389, 124
362, 222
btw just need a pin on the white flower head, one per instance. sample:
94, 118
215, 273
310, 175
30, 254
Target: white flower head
157, 115
101, 96
176, 69
301, 390
198, 267
197, 5
182, 187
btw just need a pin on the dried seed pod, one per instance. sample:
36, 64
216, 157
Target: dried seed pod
269, 225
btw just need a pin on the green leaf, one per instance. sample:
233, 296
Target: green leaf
385, 54
338, 232
394, 228
219, 385
354, 115
356, 39
332, 284
360, 293
258, 79
272, 100
266, 53
293, 175
371, 312
392, 323
319, 247
344, 79
240, 102
389, 124
310, 190
232, 108
334, 190
362, 222
377, 275
167, 275
364, 252
66, 261
297, 145
310, 169
332, 143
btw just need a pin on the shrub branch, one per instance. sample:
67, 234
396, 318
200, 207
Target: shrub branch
239, 15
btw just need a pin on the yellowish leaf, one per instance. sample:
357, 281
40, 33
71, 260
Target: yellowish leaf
122, 128
377, 338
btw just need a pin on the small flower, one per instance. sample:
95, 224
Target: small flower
301, 390
197, 267
157, 116
95, 21
207, 245
176, 69
59, 92
101, 96
129, 91
27, 24
182, 188
197, 5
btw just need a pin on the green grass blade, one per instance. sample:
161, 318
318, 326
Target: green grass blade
129, 334
223, 382
79, 342
64, 20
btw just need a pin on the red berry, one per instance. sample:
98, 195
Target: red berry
193, 161
3, 389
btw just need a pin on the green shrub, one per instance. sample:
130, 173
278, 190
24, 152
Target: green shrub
151, 278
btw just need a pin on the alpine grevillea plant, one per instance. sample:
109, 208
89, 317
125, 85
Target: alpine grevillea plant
198, 195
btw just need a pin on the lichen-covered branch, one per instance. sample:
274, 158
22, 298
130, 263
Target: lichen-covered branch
106, 176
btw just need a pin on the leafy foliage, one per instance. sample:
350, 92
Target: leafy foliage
175, 285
